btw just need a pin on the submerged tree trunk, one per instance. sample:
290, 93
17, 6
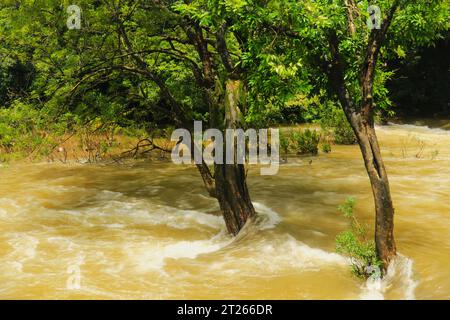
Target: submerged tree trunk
233, 196
228, 183
230, 179
384, 209
362, 122
360, 117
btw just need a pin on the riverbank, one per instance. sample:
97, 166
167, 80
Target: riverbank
89, 146
84, 147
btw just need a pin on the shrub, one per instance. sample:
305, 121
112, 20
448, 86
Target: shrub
326, 147
306, 142
343, 133
20, 128
334, 123
354, 244
285, 143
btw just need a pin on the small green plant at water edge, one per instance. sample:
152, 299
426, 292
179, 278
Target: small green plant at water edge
326, 147
285, 143
307, 142
354, 244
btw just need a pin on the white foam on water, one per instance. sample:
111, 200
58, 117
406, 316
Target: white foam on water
301, 253
289, 252
373, 289
14, 267
268, 256
410, 283
267, 218
24, 246
152, 255
400, 273
108, 195
118, 213
149, 257
9, 208
201, 218
181, 219
114, 225
415, 129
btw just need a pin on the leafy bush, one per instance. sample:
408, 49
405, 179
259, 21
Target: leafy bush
285, 143
326, 147
19, 128
335, 124
354, 244
307, 142
29, 132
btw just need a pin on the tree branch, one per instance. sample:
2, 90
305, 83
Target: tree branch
352, 13
376, 39
223, 49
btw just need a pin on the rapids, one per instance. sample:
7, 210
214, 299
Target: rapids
148, 231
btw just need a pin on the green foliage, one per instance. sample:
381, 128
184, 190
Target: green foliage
326, 147
279, 49
354, 244
307, 141
335, 124
285, 143
19, 126
24, 131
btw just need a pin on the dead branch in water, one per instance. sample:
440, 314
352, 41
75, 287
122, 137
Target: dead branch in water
144, 143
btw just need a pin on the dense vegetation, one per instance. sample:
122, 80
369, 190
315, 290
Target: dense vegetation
138, 67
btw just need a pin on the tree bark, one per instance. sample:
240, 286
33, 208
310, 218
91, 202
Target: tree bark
208, 179
228, 184
363, 127
360, 117
352, 14
230, 179
233, 196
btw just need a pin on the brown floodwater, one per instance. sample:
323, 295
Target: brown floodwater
145, 230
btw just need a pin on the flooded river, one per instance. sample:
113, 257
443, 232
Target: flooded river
148, 231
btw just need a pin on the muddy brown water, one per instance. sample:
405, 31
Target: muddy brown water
148, 231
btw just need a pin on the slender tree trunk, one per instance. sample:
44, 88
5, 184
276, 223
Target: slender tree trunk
384, 222
361, 119
230, 179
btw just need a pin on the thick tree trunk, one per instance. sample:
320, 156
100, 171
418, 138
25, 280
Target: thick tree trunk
230, 179
384, 224
233, 196
228, 184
